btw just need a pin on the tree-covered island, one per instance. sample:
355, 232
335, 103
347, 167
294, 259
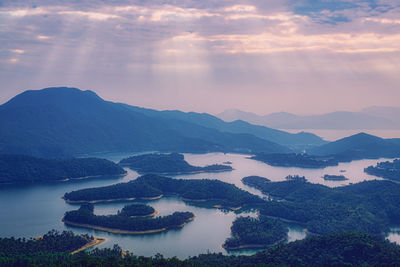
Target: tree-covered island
173, 163
27, 169
122, 224
296, 160
389, 170
262, 232
329, 177
148, 186
137, 210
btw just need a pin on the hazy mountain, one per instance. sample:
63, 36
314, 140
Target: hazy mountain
68, 121
297, 141
369, 118
359, 146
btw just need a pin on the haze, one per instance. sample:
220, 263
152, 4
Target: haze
306, 56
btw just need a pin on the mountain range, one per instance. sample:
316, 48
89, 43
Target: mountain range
367, 119
62, 121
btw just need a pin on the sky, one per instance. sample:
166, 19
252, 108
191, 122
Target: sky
262, 56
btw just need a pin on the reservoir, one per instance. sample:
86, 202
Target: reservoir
34, 209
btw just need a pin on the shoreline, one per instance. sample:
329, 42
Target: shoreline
254, 246
178, 173
110, 200
96, 241
145, 216
126, 232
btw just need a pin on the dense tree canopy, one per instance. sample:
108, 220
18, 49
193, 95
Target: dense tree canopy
84, 215
153, 185
26, 169
388, 169
369, 206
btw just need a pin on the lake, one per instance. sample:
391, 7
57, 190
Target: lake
32, 210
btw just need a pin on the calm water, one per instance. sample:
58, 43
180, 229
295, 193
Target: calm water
31, 210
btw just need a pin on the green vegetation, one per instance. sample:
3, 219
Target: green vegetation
52, 242
295, 160
262, 232
85, 217
151, 185
296, 178
173, 163
136, 210
62, 122
26, 169
329, 177
344, 249
387, 169
369, 206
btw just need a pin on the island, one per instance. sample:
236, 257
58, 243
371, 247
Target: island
329, 177
296, 178
137, 210
27, 169
369, 206
122, 224
172, 163
296, 160
388, 169
151, 186
250, 233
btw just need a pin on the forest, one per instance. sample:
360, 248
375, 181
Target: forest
249, 232
339, 249
27, 169
172, 163
85, 215
370, 206
295, 160
151, 185
138, 210
52, 242
387, 169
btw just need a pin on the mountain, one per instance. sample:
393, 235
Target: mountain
369, 118
359, 146
297, 142
58, 122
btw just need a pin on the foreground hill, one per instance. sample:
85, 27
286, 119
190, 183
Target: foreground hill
344, 249
56, 122
359, 146
27, 169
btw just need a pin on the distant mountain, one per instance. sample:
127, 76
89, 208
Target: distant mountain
369, 118
359, 146
297, 142
57, 122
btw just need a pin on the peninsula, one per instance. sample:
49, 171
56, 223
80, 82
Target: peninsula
296, 160
27, 169
389, 170
262, 232
147, 186
173, 163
